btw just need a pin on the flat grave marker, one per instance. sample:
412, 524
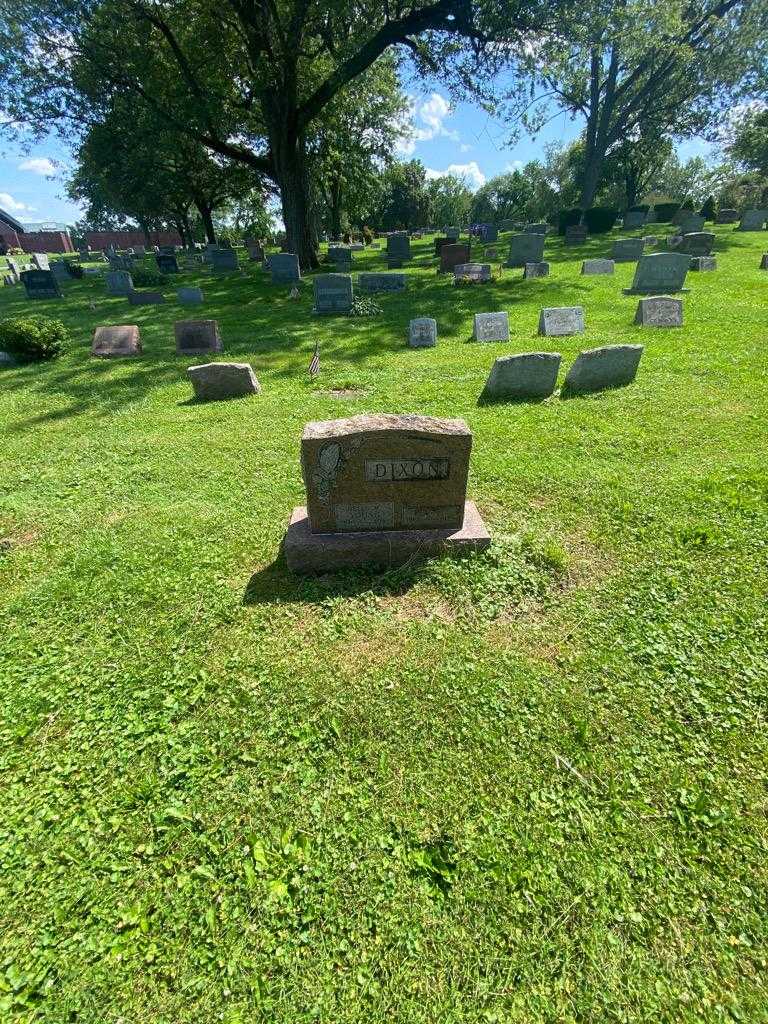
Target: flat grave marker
597, 266
596, 369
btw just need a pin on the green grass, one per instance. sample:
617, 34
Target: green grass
525, 787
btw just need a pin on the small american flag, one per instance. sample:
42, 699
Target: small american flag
314, 366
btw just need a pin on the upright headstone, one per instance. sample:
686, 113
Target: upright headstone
753, 220
224, 261
40, 261
659, 311
215, 381
694, 222
525, 376
659, 273
452, 254
440, 241
384, 282
40, 284
595, 369
189, 296
118, 282
491, 327
525, 248
255, 252
140, 250
383, 489
284, 267
536, 270
627, 250
764, 261
727, 217
341, 255
399, 246
480, 273
194, 337
597, 266
491, 233
60, 271
556, 321
452, 234
167, 263
535, 229
575, 234
333, 293
697, 243
116, 341
422, 332
634, 219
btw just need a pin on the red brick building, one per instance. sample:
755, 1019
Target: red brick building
13, 235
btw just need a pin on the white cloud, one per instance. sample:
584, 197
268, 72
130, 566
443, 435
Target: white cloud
516, 165
7, 202
470, 172
465, 148
425, 121
38, 165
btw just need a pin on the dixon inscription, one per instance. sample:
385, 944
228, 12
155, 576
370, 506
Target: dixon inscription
388, 470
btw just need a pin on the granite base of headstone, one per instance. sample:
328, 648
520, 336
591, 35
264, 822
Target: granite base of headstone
115, 342
659, 311
530, 375
597, 369
145, 298
197, 337
491, 327
383, 490
216, 381
559, 321
422, 332
532, 270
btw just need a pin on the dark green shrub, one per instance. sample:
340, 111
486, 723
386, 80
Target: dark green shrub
666, 211
687, 205
600, 219
32, 339
147, 278
566, 218
709, 210
638, 208
75, 270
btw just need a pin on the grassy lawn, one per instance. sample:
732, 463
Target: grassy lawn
524, 787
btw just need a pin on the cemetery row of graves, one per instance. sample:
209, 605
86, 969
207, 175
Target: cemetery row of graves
269, 760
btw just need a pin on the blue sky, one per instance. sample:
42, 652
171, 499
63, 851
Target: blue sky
461, 139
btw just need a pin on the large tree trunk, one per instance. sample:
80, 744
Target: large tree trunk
206, 216
293, 181
335, 209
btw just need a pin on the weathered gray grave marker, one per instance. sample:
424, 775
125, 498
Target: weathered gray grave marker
216, 381
146, 298
224, 261
190, 296
753, 220
491, 327
536, 270
659, 311
597, 266
478, 272
333, 293
659, 273
40, 284
118, 282
595, 369
384, 282
422, 332
529, 375
284, 268
117, 341
557, 321
627, 250
525, 248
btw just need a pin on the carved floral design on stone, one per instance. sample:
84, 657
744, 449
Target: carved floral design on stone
330, 462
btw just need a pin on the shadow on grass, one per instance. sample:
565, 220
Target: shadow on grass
275, 583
